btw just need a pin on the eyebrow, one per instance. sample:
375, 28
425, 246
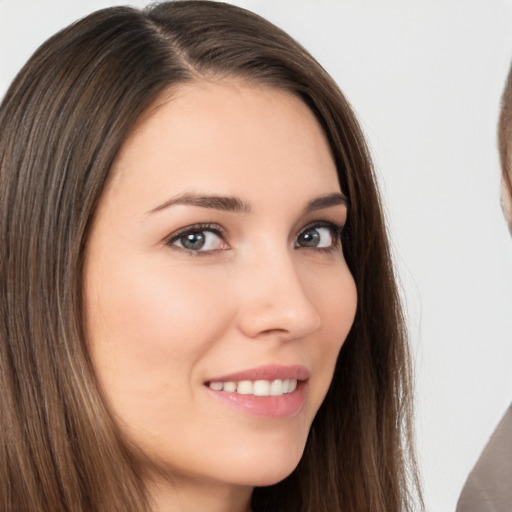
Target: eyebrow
228, 204
327, 201
233, 204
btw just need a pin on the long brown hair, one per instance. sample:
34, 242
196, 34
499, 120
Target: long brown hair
505, 141
62, 123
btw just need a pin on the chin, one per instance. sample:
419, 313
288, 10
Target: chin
272, 477
268, 468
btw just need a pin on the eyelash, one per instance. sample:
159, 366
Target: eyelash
217, 229
336, 233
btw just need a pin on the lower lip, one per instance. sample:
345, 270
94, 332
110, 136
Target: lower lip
282, 406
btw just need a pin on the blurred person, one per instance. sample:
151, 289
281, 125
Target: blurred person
488, 487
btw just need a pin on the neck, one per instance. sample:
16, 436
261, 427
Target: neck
197, 496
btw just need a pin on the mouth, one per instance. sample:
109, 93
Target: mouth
276, 387
268, 391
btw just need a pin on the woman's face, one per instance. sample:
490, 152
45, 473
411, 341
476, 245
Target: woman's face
214, 274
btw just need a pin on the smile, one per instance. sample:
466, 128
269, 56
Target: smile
276, 387
271, 391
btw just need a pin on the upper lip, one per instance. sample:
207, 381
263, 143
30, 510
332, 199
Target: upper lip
267, 372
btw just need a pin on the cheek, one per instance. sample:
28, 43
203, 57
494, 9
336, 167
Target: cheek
335, 296
148, 329
337, 302
160, 308
343, 314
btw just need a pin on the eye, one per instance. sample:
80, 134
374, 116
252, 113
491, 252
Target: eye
199, 238
319, 236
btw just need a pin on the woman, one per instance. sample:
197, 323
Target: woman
198, 305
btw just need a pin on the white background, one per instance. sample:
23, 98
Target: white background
425, 77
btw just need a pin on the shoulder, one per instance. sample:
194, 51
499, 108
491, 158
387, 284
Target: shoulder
488, 487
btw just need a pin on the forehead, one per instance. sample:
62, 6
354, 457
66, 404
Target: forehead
203, 132
230, 103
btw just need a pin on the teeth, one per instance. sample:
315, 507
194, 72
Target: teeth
245, 387
217, 386
276, 387
230, 387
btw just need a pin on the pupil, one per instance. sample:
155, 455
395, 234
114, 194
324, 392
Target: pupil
310, 238
193, 241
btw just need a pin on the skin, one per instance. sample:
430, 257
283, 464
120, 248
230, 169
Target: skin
162, 320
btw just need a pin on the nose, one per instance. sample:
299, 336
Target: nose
274, 300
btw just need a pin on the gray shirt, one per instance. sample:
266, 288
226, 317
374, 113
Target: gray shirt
489, 485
